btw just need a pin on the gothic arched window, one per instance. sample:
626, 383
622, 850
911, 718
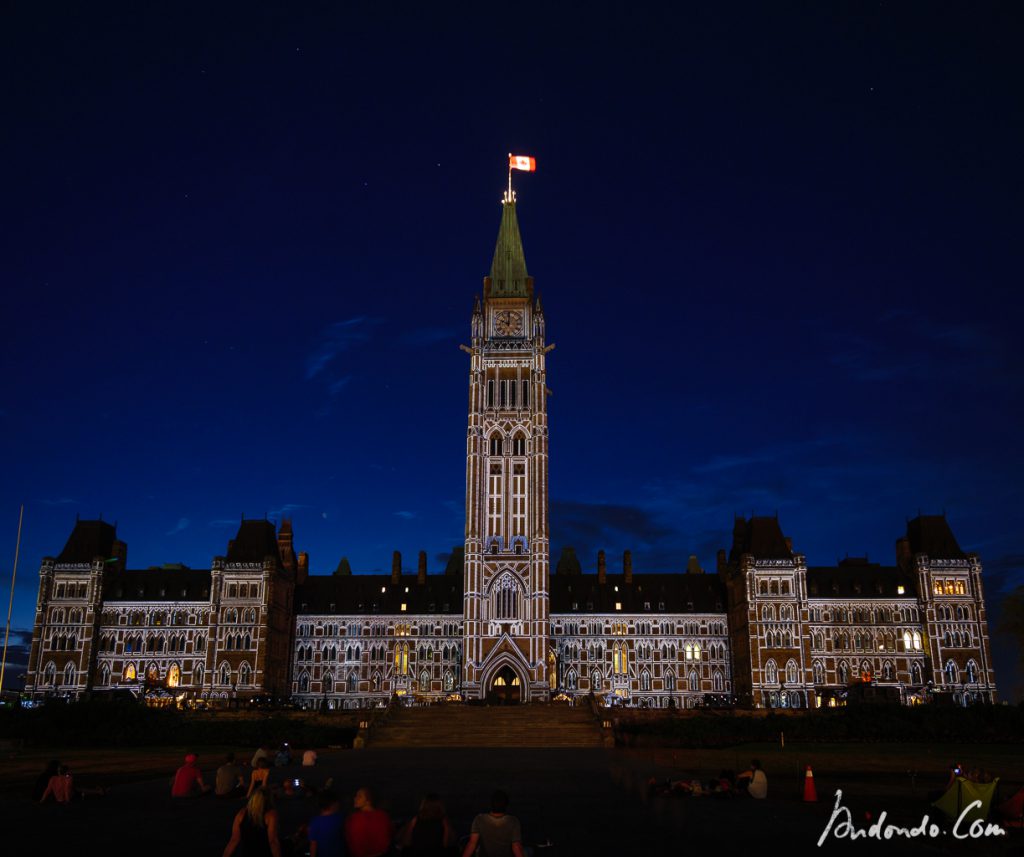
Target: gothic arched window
951, 672
506, 598
972, 672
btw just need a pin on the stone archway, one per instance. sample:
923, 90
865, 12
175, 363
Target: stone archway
506, 687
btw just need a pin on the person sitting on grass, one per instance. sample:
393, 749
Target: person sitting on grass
428, 833
62, 787
255, 827
368, 830
498, 833
260, 777
188, 778
326, 831
754, 780
43, 780
229, 782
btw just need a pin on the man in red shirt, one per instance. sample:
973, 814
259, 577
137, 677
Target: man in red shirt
368, 831
187, 778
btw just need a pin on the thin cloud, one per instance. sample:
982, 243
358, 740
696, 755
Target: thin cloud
338, 385
287, 509
405, 515
63, 501
337, 338
182, 524
906, 346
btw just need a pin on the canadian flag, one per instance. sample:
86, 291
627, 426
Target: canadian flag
522, 162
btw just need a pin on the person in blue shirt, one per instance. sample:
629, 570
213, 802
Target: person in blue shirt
327, 830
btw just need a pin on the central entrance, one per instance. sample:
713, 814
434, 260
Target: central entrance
506, 689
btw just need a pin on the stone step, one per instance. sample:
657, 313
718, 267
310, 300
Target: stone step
478, 726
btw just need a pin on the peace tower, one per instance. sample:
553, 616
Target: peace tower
507, 548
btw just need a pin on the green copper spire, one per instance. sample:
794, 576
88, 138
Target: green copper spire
508, 270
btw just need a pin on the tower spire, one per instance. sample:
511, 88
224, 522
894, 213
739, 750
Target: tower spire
509, 277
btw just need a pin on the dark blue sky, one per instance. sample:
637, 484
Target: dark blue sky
778, 251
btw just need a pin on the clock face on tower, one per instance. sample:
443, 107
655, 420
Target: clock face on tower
508, 323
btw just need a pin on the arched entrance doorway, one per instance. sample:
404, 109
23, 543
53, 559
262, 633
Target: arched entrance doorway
506, 688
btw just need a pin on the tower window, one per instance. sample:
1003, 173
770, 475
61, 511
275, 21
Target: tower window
526, 394
490, 394
496, 445
519, 445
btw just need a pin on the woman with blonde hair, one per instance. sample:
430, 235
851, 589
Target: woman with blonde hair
255, 828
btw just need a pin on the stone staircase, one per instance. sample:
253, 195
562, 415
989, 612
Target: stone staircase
488, 726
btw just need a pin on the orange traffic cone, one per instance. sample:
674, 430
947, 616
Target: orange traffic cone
810, 792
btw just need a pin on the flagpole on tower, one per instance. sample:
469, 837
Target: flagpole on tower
509, 197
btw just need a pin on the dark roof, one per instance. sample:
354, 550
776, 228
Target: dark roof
761, 537
158, 584
88, 540
679, 593
254, 541
931, 535
508, 269
857, 578
361, 594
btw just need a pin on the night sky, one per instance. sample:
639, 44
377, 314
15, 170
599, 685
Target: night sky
778, 250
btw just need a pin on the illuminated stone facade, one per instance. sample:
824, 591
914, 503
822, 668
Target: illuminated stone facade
766, 629
215, 634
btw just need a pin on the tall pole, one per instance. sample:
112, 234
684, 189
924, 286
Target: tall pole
10, 605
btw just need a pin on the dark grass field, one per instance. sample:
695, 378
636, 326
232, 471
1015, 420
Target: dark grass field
585, 801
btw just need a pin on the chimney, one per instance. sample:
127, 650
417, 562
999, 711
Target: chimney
692, 566
421, 569
303, 568
903, 552
789, 544
627, 567
285, 542
602, 568
396, 568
